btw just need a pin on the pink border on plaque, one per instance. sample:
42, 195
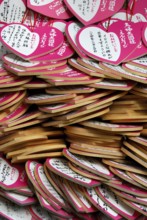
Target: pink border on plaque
18, 198
18, 175
119, 51
48, 186
56, 164
97, 169
70, 194
53, 8
131, 188
94, 11
61, 213
130, 213
36, 44
97, 201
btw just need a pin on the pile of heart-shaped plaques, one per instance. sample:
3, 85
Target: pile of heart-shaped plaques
73, 187
73, 89
99, 139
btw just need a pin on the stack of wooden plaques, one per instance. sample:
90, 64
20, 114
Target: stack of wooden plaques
10, 210
136, 148
108, 140
34, 143
109, 78
97, 163
132, 191
55, 193
10, 82
15, 194
15, 113
78, 91
100, 167
94, 143
81, 108
119, 129
20, 68
133, 110
81, 186
135, 71
74, 187
140, 90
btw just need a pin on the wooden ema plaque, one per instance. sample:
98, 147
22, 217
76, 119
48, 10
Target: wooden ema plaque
94, 166
20, 200
134, 69
93, 197
17, 99
77, 65
41, 73
113, 85
71, 193
129, 197
126, 165
47, 207
24, 191
137, 154
124, 176
47, 186
138, 178
91, 64
93, 143
115, 203
12, 177
70, 89
138, 207
59, 165
84, 172
129, 188
30, 166
36, 84
140, 62
111, 127
121, 72
54, 180
15, 61
43, 99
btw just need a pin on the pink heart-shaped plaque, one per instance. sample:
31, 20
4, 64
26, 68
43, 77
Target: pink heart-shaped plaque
138, 7
92, 11
138, 52
113, 46
63, 52
12, 12
125, 15
141, 49
51, 8
27, 44
71, 31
